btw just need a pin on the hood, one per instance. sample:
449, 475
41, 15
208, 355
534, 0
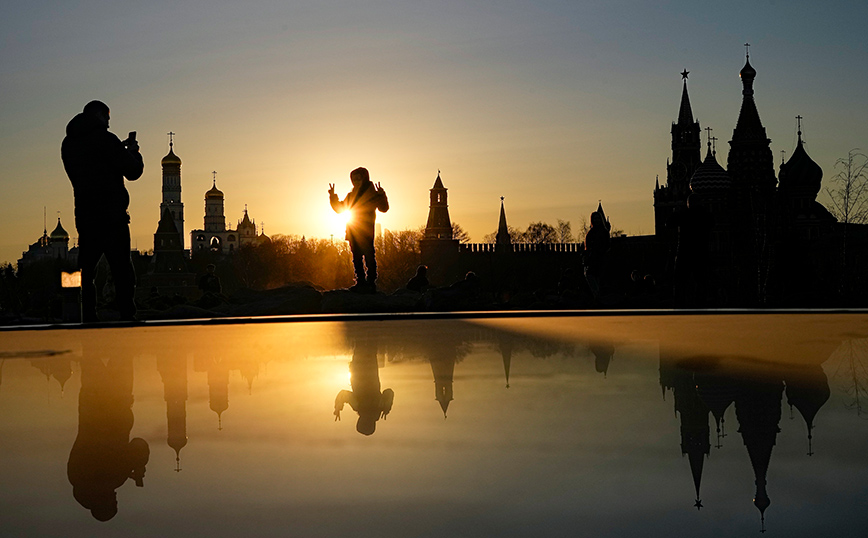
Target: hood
83, 124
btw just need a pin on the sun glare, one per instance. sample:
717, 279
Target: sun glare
338, 223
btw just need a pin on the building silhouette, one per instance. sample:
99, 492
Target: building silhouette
215, 236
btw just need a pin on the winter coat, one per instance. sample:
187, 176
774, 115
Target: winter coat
96, 162
364, 201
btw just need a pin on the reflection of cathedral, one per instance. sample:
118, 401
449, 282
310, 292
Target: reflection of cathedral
757, 402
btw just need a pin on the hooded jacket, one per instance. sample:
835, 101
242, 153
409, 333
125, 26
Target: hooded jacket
364, 201
96, 162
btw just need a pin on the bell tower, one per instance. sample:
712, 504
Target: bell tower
172, 189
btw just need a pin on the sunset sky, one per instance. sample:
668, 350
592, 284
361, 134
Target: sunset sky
552, 104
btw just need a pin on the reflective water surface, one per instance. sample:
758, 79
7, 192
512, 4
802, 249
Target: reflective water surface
711, 425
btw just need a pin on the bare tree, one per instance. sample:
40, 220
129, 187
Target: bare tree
849, 191
849, 195
851, 370
459, 233
565, 232
540, 232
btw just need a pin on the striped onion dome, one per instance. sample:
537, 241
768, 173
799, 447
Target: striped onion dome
709, 177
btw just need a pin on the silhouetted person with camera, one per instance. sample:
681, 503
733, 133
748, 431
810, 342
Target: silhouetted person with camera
365, 398
103, 456
363, 202
97, 162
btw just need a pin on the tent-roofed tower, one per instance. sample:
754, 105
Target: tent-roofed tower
502, 240
439, 250
750, 162
685, 159
439, 226
750, 165
171, 164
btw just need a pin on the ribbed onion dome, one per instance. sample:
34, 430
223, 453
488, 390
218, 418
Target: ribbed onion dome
214, 192
709, 177
59, 234
800, 172
170, 158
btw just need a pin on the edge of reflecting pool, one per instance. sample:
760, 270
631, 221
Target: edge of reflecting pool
397, 316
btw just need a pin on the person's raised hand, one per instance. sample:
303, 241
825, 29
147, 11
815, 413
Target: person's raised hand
331, 188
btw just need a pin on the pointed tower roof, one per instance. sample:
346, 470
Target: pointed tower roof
438, 183
502, 237
685, 113
167, 222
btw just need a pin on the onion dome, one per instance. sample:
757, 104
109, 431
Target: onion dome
747, 74
709, 177
800, 172
59, 234
214, 192
171, 158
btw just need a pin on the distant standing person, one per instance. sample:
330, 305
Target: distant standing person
97, 162
363, 202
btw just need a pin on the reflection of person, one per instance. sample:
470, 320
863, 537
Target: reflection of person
96, 162
363, 201
103, 456
365, 398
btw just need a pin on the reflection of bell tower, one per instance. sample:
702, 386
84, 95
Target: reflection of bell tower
758, 410
215, 220
218, 389
173, 371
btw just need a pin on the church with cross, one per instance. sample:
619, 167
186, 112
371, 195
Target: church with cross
741, 234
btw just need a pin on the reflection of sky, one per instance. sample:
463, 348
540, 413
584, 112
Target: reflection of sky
563, 450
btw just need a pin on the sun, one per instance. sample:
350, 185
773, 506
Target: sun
338, 223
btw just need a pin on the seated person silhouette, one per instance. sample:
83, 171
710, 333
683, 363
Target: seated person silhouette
363, 201
365, 398
103, 456
419, 282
